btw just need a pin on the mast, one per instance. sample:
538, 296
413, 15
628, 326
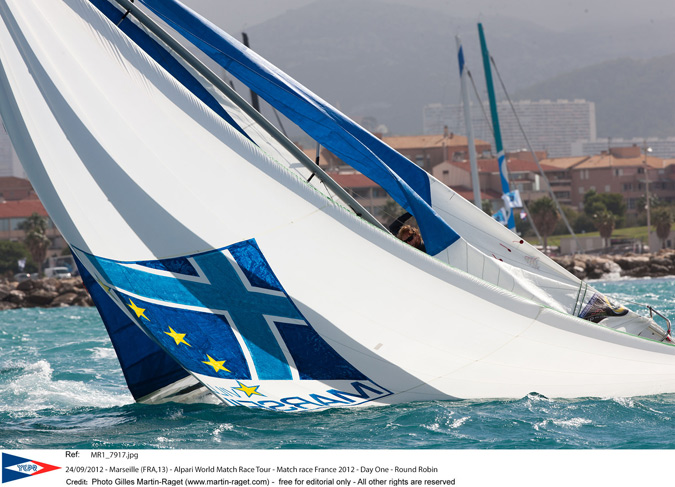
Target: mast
202, 69
469, 126
503, 173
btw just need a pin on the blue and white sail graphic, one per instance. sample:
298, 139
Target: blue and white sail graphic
406, 183
223, 314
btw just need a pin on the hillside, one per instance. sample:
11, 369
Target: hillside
387, 61
633, 98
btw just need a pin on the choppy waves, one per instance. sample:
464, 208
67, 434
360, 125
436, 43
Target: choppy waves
61, 387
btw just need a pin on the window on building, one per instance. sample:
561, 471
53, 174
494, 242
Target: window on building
618, 172
581, 190
361, 192
641, 170
627, 186
16, 222
608, 188
419, 160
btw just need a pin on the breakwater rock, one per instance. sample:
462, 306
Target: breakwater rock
43, 293
658, 264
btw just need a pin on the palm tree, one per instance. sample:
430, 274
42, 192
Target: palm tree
545, 216
36, 240
662, 218
604, 221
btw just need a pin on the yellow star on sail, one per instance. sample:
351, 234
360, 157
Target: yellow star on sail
249, 390
139, 311
215, 364
178, 337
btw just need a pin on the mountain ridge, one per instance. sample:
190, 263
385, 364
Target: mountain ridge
386, 61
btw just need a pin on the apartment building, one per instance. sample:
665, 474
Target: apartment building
550, 126
624, 170
524, 175
18, 201
369, 194
9, 161
427, 151
14, 213
659, 147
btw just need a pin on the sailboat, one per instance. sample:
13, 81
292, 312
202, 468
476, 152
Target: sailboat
224, 271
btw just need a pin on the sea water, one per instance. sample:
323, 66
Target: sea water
61, 387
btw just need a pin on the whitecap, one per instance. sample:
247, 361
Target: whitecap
573, 422
34, 388
103, 352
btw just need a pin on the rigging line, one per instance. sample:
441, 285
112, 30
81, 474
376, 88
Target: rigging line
221, 85
281, 125
576, 301
487, 119
480, 103
534, 155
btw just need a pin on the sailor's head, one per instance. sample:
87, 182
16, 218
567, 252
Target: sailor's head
410, 235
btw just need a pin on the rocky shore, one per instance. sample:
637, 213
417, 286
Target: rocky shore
43, 293
658, 264
53, 293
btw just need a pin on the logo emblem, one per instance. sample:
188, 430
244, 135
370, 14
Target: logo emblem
15, 468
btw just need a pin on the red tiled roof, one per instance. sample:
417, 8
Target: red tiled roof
402, 142
21, 208
514, 165
467, 193
608, 161
352, 180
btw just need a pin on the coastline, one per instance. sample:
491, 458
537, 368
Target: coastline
55, 293
586, 266
43, 293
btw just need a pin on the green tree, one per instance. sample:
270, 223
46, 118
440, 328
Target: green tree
36, 239
605, 221
10, 255
595, 203
545, 216
662, 218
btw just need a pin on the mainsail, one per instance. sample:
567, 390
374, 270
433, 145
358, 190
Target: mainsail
245, 279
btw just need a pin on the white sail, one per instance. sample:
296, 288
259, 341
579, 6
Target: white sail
264, 290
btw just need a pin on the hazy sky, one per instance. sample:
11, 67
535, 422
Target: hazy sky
235, 16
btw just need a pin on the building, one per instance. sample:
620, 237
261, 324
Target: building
18, 201
9, 162
367, 193
660, 147
623, 170
550, 126
13, 188
14, 213
524, 175
427, 151
559, 175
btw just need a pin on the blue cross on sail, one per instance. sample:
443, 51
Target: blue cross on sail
223, 314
